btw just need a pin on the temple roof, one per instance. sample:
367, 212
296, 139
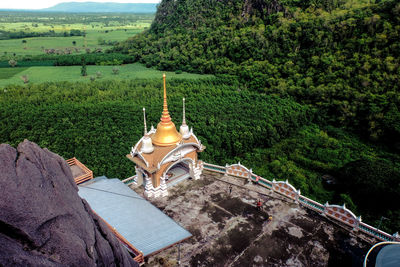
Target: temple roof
158, 154
163, 140
137, 220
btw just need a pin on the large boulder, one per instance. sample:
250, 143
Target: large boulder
43, 221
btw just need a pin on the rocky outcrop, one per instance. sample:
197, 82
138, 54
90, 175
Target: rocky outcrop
43, 221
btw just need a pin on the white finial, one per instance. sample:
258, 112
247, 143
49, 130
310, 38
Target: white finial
147, 145
184, 129
184, 115
144, 118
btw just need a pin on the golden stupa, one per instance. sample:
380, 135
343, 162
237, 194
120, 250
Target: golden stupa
166, 134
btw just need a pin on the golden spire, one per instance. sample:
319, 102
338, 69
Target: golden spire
166, 134
165, 114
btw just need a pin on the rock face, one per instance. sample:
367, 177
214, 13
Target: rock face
43, 221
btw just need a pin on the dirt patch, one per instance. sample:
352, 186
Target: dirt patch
295, 231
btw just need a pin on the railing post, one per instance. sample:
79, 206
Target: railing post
250, 174
226, 171
396, 236
298, 195
324, 213
273, 185
357, 224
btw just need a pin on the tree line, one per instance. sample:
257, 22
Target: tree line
91, 58
5, 35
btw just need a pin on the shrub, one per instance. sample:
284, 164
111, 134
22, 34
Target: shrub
25, 78
115, 70
83, 70
12, 63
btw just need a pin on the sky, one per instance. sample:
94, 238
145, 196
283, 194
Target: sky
38, 4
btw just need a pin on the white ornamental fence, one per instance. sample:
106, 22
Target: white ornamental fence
335, 212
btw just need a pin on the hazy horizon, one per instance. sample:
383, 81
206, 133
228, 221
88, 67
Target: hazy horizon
39, 4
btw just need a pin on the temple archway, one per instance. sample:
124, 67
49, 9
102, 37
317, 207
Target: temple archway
179, 171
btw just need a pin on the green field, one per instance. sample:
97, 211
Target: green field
73, 73
36, 45
100, 30
6, 73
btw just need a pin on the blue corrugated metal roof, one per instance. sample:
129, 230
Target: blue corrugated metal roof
136, 219
388, 256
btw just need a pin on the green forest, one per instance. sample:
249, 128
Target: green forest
302, 90
340, 58
279, 138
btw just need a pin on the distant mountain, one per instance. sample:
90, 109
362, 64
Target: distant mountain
85, 7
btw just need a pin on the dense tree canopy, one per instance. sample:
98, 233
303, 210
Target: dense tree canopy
99, 122
340, 56
374, 185
303, 90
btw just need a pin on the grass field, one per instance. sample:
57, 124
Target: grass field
72, 73
35, 45
106, 27
6, 73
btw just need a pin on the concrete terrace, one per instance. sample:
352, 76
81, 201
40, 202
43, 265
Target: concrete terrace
228, 230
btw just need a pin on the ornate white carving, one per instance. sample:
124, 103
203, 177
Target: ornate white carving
178, 153
148, 189
195, 137
156, 192
163, 186
197, 171
142, 158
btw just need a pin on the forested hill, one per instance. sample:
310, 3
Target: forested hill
89, 7
340, 56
